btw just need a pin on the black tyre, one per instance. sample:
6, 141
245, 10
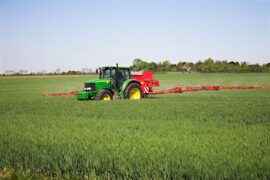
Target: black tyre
133, 91
105, 95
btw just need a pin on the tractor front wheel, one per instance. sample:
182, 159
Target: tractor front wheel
133, 91
105, 95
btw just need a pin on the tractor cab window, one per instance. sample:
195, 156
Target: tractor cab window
112, 73
106, 73
126, 74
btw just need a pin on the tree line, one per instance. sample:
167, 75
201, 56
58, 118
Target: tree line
207, 66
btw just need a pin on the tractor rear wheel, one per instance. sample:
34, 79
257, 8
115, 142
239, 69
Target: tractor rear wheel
105, 95
133, 91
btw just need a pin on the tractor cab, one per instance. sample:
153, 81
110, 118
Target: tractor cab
118, 75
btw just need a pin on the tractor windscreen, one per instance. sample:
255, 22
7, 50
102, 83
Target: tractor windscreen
108, 73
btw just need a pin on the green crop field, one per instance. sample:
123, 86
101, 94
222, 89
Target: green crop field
201, 135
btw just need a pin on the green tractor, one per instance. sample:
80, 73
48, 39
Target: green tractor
113, 82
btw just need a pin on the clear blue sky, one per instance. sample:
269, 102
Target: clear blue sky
73, 34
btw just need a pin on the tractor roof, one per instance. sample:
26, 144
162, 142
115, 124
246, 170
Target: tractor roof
114, 67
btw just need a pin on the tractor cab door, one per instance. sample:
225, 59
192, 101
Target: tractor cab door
120, 76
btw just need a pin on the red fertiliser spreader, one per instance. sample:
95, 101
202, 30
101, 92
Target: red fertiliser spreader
146, 80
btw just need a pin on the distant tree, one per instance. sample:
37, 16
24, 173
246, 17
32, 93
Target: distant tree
152, 66
209, 61
266, 67
138, 64
198, 66
243, 66
173, 67
179, 65
255, 68
160, 67
166, 65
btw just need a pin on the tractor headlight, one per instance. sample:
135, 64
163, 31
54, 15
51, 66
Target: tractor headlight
90, 87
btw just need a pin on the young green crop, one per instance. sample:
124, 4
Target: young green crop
208, 135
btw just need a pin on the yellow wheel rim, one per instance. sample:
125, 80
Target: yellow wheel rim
106, 97
134, 93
